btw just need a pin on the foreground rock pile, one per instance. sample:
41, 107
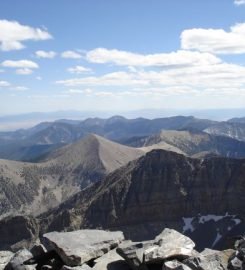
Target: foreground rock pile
103, 250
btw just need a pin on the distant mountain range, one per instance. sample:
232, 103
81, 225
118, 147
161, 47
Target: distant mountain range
35, 143
136, 175
27, 120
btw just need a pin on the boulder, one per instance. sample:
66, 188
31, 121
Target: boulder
133, 253
78, 247
38, 250
25, 230
209, 260
169, 244
175, 265
112, 261
5, 257
17, 261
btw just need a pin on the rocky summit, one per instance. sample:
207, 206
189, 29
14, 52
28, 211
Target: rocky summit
105, 250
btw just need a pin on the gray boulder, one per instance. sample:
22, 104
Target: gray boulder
133, 253
169, 244
17, 261
112, 261
5, 257
38, 250
175, 265
210, 260
78, 247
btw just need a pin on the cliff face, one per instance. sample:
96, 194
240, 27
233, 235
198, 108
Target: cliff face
164, 184
162, 189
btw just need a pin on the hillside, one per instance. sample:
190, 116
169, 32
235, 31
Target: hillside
33, 188
195, 143
235, 130
161, 189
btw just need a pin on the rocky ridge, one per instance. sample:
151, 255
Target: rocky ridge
157, 190
28, 188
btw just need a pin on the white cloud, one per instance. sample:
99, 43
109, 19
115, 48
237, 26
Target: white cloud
44, 54
39, 78
81, 91
239, 2
20, 88
4, 84
71, 55
215, 40
13, 34
124, 58
79, 70
24, 71
110, 79
19, 64
191, 80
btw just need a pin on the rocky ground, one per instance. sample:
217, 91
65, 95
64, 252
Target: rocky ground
101, 250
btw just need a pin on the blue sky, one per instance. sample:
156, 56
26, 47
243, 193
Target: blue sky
121, 55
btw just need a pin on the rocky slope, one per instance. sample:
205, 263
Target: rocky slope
161, 189
195, 143
235, 130
29, 188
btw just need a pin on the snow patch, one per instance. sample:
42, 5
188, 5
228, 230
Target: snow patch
218, 237
187, 224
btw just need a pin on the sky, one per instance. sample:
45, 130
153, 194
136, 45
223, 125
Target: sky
121, 55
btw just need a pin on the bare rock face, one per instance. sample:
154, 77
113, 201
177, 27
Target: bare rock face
17, 232
161, 189
78, 247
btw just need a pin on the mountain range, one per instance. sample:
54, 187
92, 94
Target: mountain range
136, 175
34, 143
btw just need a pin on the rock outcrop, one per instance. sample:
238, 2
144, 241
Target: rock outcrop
17, 232
104, 250
78, 247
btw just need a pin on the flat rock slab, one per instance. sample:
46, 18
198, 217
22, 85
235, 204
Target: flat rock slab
169, 244
78, 247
